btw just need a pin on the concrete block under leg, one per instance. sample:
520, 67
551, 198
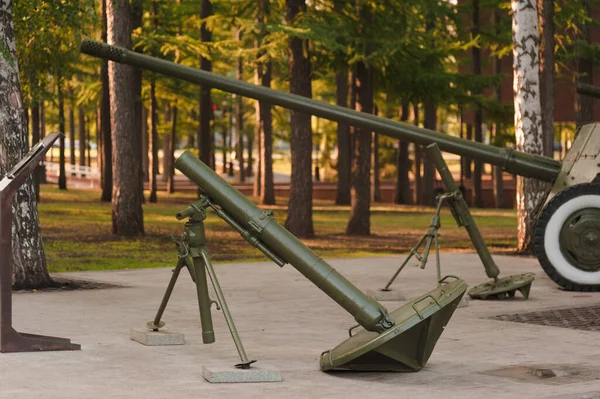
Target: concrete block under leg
229, 374
392, 295
156, 338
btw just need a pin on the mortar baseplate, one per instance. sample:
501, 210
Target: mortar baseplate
405, 347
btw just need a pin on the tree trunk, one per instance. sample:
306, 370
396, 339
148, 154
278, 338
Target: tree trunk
299, 219
239, 115
267, 192
418, 160
584, 105
145, 146
528, 123
478, 165
469, 161
427, 192
153, 142
170, 171
127, 214
62, 174
376, 187
250, 163
72, 139
29, 262
106, 172
497, 182
343, 142
82, 141
205, 138
360, 223
546, 20
35, 137
402, 191
166, 148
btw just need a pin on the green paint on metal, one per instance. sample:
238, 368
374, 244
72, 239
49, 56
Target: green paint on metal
524, 164
503, 288
580, 239
259, 227
409, 344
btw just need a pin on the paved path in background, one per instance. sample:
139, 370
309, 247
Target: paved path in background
286, 322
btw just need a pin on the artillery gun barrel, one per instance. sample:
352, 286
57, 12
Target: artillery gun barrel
588, 90
528, 165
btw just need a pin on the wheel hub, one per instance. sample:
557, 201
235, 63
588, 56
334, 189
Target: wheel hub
580, 239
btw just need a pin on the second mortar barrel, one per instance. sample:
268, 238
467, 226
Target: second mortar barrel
367, 312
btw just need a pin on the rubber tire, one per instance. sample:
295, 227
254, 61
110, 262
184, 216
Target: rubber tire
540, 229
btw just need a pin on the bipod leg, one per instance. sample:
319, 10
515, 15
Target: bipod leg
156, 324
413, 252
228, 318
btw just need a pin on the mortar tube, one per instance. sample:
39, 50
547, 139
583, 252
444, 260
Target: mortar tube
367, 312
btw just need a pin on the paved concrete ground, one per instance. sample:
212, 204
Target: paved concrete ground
285, 322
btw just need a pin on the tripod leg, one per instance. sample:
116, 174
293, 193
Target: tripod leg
437, 258
426, 251
204, 302
413, 251
228, 318
156, 323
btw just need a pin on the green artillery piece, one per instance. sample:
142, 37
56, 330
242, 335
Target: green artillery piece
498, 288
567, 233
387, 339
194, 255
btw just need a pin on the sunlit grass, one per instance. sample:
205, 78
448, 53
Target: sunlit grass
77, 231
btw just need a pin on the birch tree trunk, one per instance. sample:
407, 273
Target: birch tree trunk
528, 120
29, 267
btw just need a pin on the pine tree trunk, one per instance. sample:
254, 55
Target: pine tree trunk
418, 160
402, 189
239, 115
106, 174
153, 142
427, 192
205, 138
343, 142
171, 155
127, 214
145, 146
62, 174
267, 191
35, 137
299, 219
497, 182
478, 165
546, 16
468, 161
250, 163
360, 223
72, 139
528, 123
376, 187
29, 262
82, 141
584, 105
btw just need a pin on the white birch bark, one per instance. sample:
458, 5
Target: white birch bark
29, 262
528, 113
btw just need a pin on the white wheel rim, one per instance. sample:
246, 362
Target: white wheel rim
552, 243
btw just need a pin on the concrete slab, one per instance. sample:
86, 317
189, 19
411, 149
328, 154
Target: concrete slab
156, 338
216, 374
285, 321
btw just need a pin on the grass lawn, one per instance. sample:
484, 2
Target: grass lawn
76, 228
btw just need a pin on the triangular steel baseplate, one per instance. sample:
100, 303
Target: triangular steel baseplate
504, 288
404, 347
